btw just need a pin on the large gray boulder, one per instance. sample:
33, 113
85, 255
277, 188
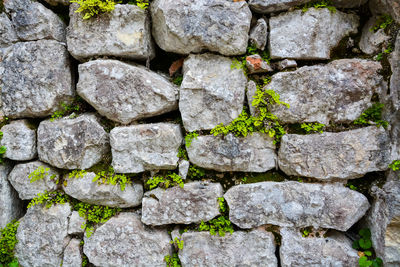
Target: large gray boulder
8, 36
125, 241
138, 148
295, 204
35, 79
386, 7
269, 6
371, 41
72, 254
309, 35
11, 207
123, 32
254, 153
77, 143
124, 92
343, 155
207, 98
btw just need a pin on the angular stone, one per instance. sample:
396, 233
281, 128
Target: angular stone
35, 79
286, 63
370, 41
215, 25
382, 7
76, 143
269, 6
207, 98
183, 166
11, 207
42, 236
255, 64
8, 36
125, 241
348, 4
123, 92
334, 250
336, 92
295, 204
20, 140
259, 34
394, 60
123, 32
75, 224
250, 94
72, 254
254, 153
343, 155
138, 148
310, 35
195, 202
19, 178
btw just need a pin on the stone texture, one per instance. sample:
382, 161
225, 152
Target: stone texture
72, 254
123, 92
207, 98
254, 153
269, 6
123, 32
20, 140
381, 7
343, 155
183, 166
19, 178
295, 204
42, 236
76, 143
75, 224
35, 79
85, 190
11, 207
8, 36
309, 35
125, 241
195, 202
349, 4
370, 41
250, 93
215, 25
138, 148
255, 64
259, 34
336, 92
394, 60
286, 63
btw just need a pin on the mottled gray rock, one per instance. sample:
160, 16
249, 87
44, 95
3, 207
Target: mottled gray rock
254, 153
124, 92
75, 224
382, 7
255, 64
58, 2
250, 93
309, 35
76, 143
207, 98
35, 79
334, 250
295, 204
269, 6
214, 25
348, 3
42, 236
125, 241
394, 60
371, 41
339, 91
72, 254
143, 147
123, 32
20, 140
343, 155
183, 166
19, 178
286, 63
259, 34
8, 36
11, 207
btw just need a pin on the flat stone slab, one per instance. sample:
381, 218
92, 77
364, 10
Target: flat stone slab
72, 254
8, 36
11, 207
269, 6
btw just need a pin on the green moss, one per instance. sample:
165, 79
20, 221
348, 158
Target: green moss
189, 138
172, 260
8, 241
313, 127
39, 174
319, 4
91, 8
3, 150
372, 116
383, 22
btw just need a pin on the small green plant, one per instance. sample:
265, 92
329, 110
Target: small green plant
189, 138
195, 172
77, 174
221, 224
238, 64
66, 109
313, 127
8, 241
3, 150
110, 177
306, 232
39, 174
382, 23
172, 261
91, 8
372, 115
49, 199
177, 242
171, 179
364, 245
320, 4
182, 153
178, 80
395, 165
352, 187
387, 51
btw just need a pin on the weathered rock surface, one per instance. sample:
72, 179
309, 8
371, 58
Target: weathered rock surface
254, 153
8, 36
295, 204
19, 178
195, 202
286, 64
125, 241
20, 140
381, 7
339, 91
259, 34
334, 250
11, 207
42, 236
250, 94
35, 79
343, 155
394, 60
207, 98
143, 147
309, 35
72, 254
348, 4
269, 6
75, 224
123, 32
214, 25
371, 41
124, 92
255, 64
183, 166
72, 143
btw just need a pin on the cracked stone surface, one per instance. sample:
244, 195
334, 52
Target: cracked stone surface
269, 6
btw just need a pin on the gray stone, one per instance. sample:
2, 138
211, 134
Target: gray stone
255, 64
286, 64
382, 7
35, 79
371, 41
20, 140
72, 254
254, 153
19, 178
77, 143
123, 32
8, 36
195, 202
309, 35
269, 6
259, 34
295, 204
336, 92
250, 94
183, 166
11, 207
349, 3
334, 250
394, 60
123, 92
42, 236
215, 25
343, 155
138, 148
125, 241
207, 98
75, 224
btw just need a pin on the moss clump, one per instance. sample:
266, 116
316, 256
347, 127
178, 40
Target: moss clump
8, 241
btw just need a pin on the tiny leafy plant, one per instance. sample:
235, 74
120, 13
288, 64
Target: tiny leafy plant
320, 4
372, 115
386, 51
172, 261
39, 174
91, 8
8, 241
196, 172
189, 138
178, 80
313, 127
49, 199
395, 165
3, 150
364, 246
182, 153
66, 109
240, 62
177, 242
169, 180
382, 22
